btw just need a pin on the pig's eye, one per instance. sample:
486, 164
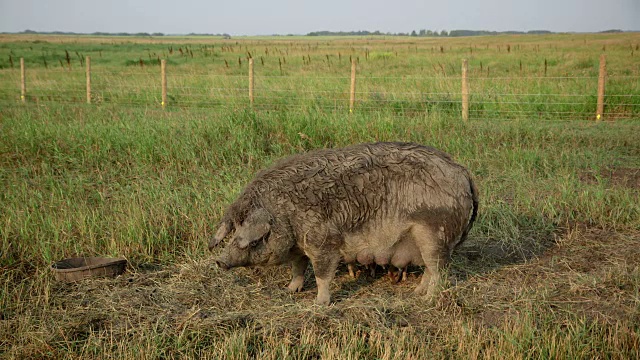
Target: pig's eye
255, 243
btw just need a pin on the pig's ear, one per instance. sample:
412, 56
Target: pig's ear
254, 228
224, 230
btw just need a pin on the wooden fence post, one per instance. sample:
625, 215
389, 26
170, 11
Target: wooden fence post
465, 90
88, 61
601, 82
352, 97
163, 71
251, 82
23, 82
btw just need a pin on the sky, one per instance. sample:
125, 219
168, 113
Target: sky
266, 17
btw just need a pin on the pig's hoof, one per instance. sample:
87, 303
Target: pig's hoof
352, 270
323, 300
295, 285
428, 291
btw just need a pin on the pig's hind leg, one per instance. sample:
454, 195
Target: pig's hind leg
431, 243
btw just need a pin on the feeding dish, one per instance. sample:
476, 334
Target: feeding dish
74, 269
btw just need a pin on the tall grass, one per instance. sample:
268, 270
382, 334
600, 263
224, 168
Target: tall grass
549, 271
147, 183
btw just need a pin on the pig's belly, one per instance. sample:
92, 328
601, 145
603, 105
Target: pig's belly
390, 244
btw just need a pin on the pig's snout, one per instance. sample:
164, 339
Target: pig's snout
222, 265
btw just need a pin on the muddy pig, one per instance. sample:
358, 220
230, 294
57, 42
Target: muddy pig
380, 203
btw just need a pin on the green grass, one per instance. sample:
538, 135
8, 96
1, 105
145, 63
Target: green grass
412, 77
551, 269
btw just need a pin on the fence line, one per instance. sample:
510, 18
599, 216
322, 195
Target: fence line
40, 89
150, 70
465, 90
88, 66
23, 81
163, 70
251, 82
78, 93
80, 72
357, 100
558, 115
382, 101
601, 81
352, 92
153, 71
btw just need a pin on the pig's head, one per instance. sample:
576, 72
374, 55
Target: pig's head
252, 243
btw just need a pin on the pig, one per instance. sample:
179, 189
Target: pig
385, 203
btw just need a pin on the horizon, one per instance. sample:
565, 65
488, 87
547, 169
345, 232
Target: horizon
285, 17
482, 32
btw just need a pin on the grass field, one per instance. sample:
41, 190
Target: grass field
551, 269
511, 77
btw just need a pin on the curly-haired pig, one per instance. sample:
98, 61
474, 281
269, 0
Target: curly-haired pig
381, 203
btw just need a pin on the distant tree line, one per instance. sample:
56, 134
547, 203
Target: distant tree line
426, 33
435, 33
346, 33
99, 33
420, 33
482, 32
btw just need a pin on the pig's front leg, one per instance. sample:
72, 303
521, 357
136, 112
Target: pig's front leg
324, 267
298, 267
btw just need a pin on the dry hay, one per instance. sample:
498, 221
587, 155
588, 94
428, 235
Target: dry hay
590, 274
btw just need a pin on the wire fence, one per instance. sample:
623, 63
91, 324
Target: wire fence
535, 97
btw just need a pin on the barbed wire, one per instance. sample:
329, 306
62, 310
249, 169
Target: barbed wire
396, 95
108, 87
360, 105
152, 70
403, 113
568, 116
103, 96
262, 94
238, 93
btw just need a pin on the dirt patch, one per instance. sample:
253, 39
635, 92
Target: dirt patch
614, 177
590, 275
588, 269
